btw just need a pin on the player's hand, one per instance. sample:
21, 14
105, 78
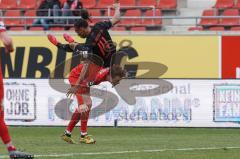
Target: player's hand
83, 108
72, 91
8, 48
7, 42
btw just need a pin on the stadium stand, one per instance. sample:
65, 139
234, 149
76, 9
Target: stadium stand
8, 4
129, 13
136, 8
209, 21
128, 2
223, 4
167, 4
230, 21
216, 28
147, 3
29, 13
221, 8
141, 9
13, 22
235, 29
89, 3
104, 3
26, 5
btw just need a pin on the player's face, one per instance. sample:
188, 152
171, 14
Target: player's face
115, 80
82, 32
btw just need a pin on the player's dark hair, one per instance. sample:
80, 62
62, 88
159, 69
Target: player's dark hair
81, 23
117, 70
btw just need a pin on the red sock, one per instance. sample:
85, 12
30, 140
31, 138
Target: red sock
74, 120
84, 121
4, 134
11, 148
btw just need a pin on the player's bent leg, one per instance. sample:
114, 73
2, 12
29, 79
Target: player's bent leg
73, 122
85, 138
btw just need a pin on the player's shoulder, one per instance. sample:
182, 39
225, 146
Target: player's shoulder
103, 24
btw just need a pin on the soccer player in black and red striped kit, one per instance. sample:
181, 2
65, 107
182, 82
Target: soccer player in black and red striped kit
98, 43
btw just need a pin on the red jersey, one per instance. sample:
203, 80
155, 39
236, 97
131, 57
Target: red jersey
93, 77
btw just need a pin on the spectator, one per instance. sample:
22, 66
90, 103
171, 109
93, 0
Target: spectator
72, 8
47, 8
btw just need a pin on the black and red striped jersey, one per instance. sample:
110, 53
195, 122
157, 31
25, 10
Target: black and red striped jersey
100, 41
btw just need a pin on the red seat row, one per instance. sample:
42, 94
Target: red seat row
223, 21
26, 4
163, 4
132, 13
129, 13
13, 4
217, 28
223, 4
21, 20
72, 29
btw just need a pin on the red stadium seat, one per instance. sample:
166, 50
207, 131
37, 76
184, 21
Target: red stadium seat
118, 29
30, 13
237, 5
230, 21
216, 29
128, 2
129, 13
147, 3
89, 3
95, 13
17, 28
223, 4
57, 28
150, 13
195, 29
168, 4
138, 29
36, 28
26, 4
235, 28
105, 3
8, 4
13, 13
209, 21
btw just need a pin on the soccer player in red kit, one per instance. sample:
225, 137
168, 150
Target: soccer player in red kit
113, 74
4, 134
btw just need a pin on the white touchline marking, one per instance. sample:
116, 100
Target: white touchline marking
125, 152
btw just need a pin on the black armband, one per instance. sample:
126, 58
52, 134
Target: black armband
65, 47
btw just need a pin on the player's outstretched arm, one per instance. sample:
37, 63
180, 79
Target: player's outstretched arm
117, 15
73, 90
7, 41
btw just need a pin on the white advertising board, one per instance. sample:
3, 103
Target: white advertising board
190, 103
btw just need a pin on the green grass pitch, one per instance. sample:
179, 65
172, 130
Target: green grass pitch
130, 143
